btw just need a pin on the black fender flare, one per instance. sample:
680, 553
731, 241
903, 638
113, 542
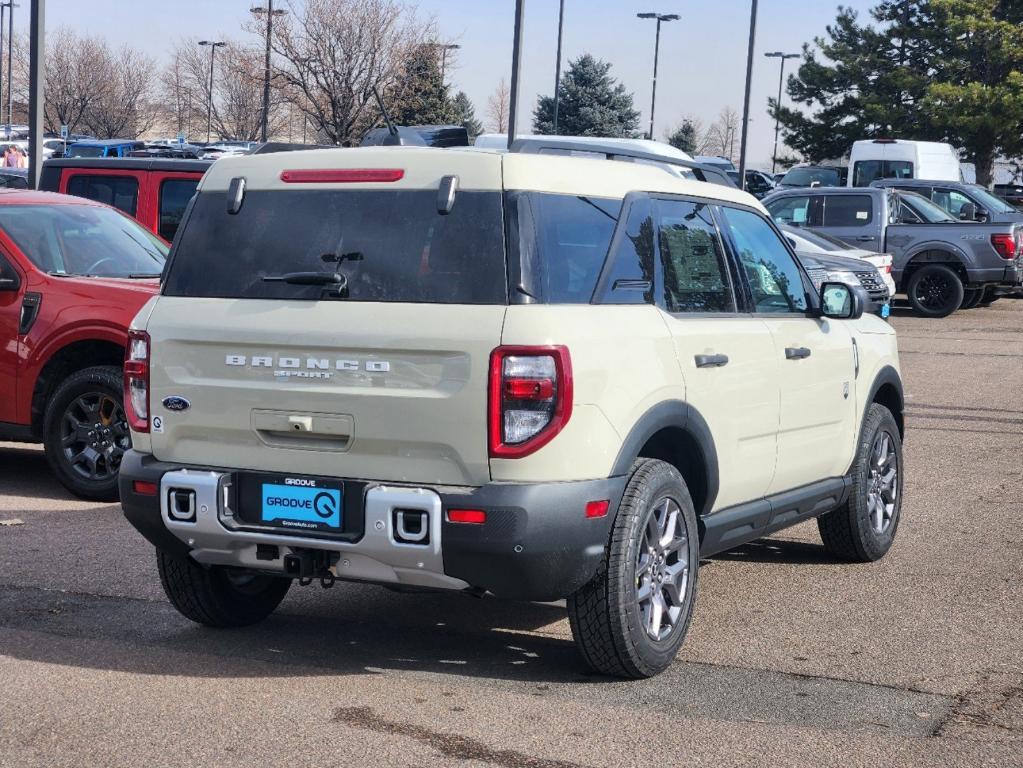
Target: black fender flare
887, 375
681, 415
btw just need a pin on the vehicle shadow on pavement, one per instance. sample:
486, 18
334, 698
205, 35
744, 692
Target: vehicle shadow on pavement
780, 551
24, 473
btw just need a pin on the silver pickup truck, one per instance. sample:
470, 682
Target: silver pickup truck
940, 263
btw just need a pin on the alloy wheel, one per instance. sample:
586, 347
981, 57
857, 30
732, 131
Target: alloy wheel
934, 291
882, 483
94, 436
662, 569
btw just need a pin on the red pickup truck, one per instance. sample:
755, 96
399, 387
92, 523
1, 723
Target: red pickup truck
155, 192
73, 274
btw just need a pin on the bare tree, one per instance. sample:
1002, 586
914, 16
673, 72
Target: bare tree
77, 69
334, 52
125, 107
498, 106
722, 136
238, 92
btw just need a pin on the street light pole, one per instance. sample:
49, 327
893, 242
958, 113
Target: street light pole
513, 101
557, 66
749, 83
270, 13
444, 48
777, 106
657, 46
10, 55
36, 88
213, 44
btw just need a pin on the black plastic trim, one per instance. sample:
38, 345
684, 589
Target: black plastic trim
743, 523
17, 433
143, 512
673, 413
887, 375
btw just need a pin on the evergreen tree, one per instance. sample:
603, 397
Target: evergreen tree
465, 115
684, 137
591, 103
420, 97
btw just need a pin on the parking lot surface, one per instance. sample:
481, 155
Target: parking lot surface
792, 658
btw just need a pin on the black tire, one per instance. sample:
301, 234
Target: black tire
608, 623
971, 298
849, 532
989, 297
935, 290
85, 432
217, 596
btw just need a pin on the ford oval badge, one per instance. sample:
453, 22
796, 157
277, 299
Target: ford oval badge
175, 403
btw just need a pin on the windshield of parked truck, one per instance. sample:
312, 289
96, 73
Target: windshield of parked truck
992, 202
84, 240
387, 246
867, 171
84, 151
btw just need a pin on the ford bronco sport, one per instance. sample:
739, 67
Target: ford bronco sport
538, 377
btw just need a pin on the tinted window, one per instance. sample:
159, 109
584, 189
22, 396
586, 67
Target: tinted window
122, 192
174, 197
807, 177
389, 245
848, 210
695, 270
772, 274
867, 171
791, 210
561, 242
12, 181
951, 201
85, 151
83, 240
631, 275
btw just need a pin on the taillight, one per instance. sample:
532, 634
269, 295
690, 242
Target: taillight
136, 381
1005, 245
530, 398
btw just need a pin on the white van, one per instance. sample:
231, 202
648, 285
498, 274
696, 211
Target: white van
875, 159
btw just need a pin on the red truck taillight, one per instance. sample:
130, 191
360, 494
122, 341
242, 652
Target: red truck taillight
530, 398
136, 381
1006, 245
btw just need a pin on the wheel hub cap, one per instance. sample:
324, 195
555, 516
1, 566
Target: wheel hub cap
882, 483
662, 569
94, 436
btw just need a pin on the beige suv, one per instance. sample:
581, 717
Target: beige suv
537, 377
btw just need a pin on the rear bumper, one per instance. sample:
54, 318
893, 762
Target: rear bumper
1010, 275
536, 543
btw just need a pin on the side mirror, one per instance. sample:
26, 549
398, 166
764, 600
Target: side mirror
842, 302
983, 216
968, 212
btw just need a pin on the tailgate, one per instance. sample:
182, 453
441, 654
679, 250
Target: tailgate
394, 392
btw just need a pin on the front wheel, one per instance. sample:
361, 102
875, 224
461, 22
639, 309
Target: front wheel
863, 529
218, 596
631, 618
935, 290
85, 432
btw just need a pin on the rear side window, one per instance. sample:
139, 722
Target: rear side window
695, 271
391, 246
793, 210
122, 192
867, 171
630, 277
848, 210
174, 197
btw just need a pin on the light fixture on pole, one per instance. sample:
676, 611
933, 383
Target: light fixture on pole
213, 44
557, 66
749, 84
444, 48
657, 45
270, 12
777, 106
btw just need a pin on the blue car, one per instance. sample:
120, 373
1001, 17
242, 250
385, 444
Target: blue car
104, 148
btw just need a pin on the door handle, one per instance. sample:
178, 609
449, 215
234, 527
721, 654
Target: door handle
866, 238
711, 361
796, 353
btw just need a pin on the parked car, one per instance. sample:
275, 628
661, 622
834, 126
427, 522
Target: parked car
876, 159
103, 148
962, 201
361, 392
813, 176
1010, 193
13, 178
715, 161
155, 192
936, 258
758, 183
818, 244
73, 273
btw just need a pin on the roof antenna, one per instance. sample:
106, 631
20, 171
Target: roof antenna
387, 118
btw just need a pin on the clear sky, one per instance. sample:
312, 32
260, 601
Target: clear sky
702, 61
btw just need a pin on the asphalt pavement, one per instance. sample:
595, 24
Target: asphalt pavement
792, 658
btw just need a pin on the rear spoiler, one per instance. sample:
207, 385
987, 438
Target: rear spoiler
536, 146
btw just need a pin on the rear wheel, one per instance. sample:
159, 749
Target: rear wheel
972, 298
631, 618
935, 290
218, 596
85, 432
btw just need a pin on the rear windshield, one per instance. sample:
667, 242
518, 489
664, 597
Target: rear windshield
808, 177
867, 171
85, 151
391, 246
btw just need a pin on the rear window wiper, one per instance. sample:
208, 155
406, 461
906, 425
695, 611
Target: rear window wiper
307, 278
